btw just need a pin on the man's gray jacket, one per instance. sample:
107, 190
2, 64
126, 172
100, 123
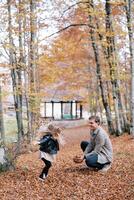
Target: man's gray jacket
101, 145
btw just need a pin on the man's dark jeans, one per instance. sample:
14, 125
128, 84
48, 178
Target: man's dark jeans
91, 160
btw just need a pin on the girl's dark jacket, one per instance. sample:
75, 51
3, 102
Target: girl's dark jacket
48, 144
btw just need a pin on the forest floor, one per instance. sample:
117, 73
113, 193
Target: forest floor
68, 180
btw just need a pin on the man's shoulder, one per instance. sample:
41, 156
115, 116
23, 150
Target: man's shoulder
102, 131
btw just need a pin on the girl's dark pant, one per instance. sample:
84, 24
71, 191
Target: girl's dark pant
91, 160
46, 168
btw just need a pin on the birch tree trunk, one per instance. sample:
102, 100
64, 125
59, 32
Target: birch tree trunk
32, 69
128, 9
2, 131
15, 74
21, 63
26, 70
113, 65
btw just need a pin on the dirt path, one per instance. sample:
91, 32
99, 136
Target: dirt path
70, 181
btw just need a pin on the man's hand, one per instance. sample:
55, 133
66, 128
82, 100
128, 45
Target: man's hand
78, 159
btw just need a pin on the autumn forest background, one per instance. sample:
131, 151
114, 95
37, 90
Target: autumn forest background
84, 49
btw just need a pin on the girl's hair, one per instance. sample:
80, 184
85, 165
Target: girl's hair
50, 127
54, 130
95, 118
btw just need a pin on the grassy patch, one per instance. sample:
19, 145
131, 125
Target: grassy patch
10, 126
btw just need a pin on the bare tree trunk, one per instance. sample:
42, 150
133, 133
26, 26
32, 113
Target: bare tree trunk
113, 65
5, 161
15, 77
122, 111
26, 73
127, 92
21, 63
128, 8
98, 70
32, 68
2, 131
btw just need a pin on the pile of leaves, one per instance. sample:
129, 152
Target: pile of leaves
68, 180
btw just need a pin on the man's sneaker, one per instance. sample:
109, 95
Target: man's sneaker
42, 177
105, 168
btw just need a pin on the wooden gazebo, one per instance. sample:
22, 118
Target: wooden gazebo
62, 110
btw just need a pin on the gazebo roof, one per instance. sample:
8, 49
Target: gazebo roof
62, 95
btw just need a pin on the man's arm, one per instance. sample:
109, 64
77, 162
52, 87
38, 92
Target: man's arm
89, 148
99, 143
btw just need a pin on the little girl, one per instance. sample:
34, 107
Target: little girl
49, 147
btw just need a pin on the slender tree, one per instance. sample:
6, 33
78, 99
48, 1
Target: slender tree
98, 69
2, 131
33, 68
128, 8
111, 57
16, 76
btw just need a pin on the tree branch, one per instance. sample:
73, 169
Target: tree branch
71, 25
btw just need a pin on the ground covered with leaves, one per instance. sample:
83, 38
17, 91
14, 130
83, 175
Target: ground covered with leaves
68, 180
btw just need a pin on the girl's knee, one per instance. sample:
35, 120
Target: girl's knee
48, 164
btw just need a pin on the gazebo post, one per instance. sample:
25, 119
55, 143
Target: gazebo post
76, 110
61, 110
71, 109
52, 109
44, 109
81, 111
